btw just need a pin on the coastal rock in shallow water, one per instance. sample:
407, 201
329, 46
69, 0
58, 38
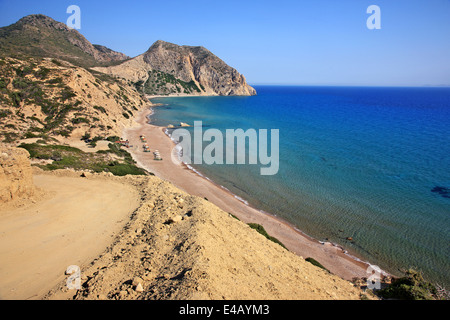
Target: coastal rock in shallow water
442, 191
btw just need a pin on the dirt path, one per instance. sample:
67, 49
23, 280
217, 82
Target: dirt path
72, 225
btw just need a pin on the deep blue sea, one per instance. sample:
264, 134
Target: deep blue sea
362, 162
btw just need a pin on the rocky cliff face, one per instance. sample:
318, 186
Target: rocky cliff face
169, 69
16, 177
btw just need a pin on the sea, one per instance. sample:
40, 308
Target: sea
366, 168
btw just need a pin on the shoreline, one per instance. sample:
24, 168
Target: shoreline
332, 256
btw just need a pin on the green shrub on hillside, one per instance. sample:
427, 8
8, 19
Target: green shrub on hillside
69, 157
262, 231
42, 73
57, 62
316, 263
57, 80
67, 94
123, 169
101, 109
158, 81
80, 120
4, 113
3, 83
411, 287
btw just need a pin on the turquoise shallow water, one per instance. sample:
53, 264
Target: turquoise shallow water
368, 163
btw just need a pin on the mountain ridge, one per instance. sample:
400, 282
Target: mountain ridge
164, 69
170, 69
40, 36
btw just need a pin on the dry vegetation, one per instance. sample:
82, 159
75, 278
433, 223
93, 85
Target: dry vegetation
51, 99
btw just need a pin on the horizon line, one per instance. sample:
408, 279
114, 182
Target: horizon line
348, 85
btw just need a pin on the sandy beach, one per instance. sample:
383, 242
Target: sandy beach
332, 257
157, 238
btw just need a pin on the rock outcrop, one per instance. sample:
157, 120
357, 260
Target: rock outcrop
170, 69
16, 176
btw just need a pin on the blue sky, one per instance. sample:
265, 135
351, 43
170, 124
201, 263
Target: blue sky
297, 42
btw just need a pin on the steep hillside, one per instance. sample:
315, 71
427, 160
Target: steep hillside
41, 36
178, 246
49, 98
169, 69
